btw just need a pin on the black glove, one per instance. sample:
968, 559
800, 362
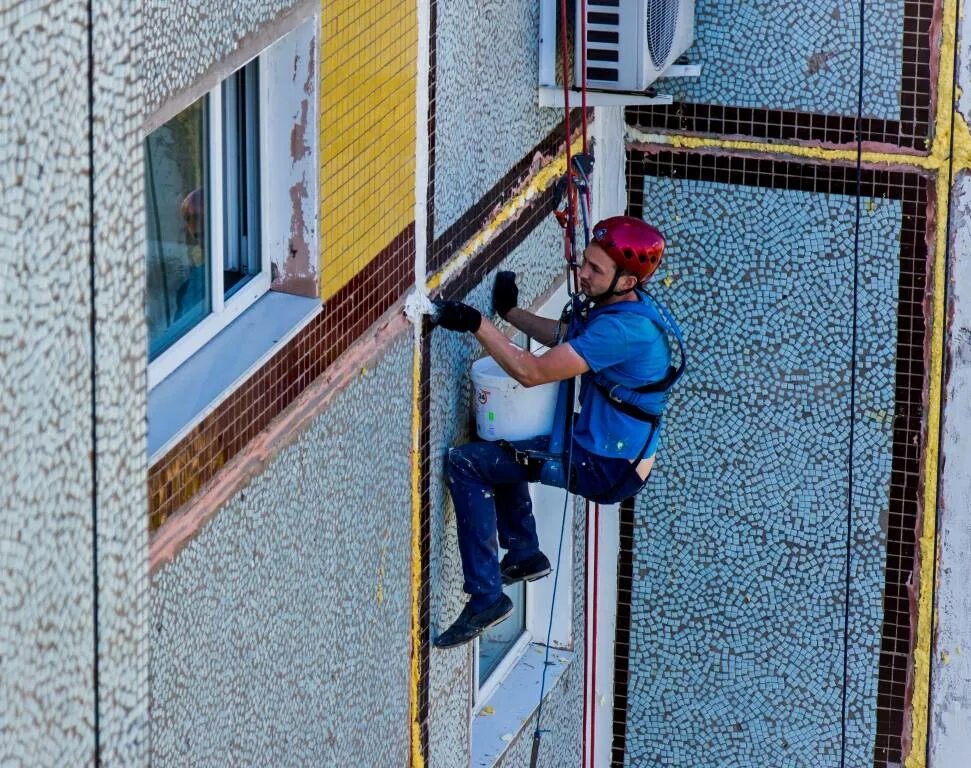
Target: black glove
505, 294
456, 316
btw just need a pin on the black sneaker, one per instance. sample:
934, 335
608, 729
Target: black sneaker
470, 625
534, 568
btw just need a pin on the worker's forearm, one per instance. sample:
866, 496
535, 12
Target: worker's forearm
543, 329
514, 360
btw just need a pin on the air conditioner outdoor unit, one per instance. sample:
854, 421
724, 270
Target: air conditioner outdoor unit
630, 43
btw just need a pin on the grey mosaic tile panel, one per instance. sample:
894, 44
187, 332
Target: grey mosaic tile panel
796, 57
46, 592
740, 545
120, 342
183, 40
486, 116
281, 635
950, 740
537, 261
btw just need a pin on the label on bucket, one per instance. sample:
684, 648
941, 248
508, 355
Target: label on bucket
505, 409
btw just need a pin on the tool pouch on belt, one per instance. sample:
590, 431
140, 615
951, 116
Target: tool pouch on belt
533, 461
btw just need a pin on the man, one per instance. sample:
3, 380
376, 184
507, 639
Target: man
621, 343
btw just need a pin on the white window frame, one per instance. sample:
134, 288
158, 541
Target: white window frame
537, 594
223, 311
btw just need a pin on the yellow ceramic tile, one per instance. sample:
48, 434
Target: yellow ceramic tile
367, 132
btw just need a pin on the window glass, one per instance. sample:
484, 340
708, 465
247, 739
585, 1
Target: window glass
241, 260
177, 212
496, 641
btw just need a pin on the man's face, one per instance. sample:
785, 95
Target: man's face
597, 272
192, 215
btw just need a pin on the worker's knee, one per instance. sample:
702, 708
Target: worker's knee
459, 464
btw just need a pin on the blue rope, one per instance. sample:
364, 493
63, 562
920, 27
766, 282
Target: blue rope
537, 734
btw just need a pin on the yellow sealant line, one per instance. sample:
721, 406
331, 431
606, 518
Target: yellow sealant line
942, 149
417, 758
928, 162
538, 184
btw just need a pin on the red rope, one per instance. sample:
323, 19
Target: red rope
570, 207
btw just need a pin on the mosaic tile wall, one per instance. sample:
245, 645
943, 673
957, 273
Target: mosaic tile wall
485, 113
318, 545
120, 397
741, 657
73, 532
782, 71
739, 46
175, 56
46, 416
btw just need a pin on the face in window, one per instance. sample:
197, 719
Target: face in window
192, 216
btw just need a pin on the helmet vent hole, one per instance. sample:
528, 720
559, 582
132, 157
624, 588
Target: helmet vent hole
642, 258
629, 254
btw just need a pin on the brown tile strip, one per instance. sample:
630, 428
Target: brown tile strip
499, 247
194, 461
914, 192
459, 233
910, 132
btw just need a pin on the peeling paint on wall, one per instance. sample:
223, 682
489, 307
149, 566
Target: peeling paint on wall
292, 226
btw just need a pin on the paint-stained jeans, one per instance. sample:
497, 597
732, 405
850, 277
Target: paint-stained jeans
492, 505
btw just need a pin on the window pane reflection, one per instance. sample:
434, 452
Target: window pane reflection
496, 641
241, 260
177, 213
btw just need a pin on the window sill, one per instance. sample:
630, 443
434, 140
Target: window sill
513, 702
202, 382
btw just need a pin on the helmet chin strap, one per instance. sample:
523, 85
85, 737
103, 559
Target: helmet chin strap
610, 291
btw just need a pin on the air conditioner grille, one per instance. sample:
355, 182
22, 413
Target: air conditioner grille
662, 17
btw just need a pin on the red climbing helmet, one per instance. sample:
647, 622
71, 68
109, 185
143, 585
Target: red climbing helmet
633, 244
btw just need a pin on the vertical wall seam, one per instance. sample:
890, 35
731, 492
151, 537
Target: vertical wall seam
926, 550
939, 371
96, 677
417, 570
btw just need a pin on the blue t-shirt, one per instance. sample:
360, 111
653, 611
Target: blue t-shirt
632, 351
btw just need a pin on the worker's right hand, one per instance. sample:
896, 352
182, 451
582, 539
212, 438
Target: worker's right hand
505, 294
456, 316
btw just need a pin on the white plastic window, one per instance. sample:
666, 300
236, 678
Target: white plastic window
205, 260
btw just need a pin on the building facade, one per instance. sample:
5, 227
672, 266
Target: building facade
226, 537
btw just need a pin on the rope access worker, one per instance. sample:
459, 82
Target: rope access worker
621, 344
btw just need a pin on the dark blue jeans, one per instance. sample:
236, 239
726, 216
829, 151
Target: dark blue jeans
490, 493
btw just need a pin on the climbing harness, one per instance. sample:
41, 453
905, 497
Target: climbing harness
644, 403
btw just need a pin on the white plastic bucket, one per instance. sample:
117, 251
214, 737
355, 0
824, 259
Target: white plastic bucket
505, 409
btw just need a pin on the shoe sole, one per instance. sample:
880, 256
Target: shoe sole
497, 621
531, 577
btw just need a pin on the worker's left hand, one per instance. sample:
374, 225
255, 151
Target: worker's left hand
456, 316
505, 294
